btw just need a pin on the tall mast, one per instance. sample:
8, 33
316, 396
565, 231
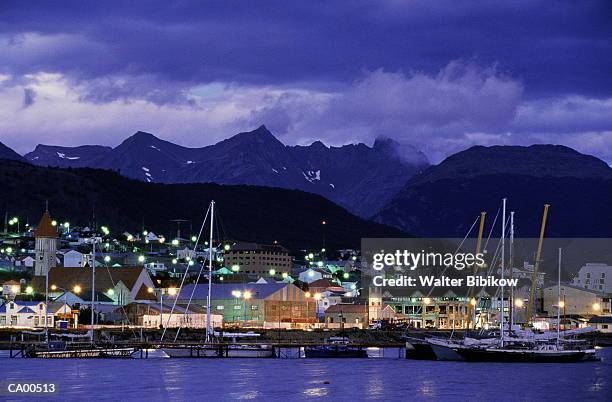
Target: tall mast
210, 257
93, 285
503, 266
559, 300
511, 272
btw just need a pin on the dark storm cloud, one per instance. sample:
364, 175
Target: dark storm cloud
558, 47
439, 75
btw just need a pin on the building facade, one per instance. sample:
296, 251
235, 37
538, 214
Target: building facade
575, 300
597, 277
258, 259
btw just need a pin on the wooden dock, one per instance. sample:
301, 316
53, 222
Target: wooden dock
145, 350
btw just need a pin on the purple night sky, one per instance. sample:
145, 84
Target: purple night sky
440, 75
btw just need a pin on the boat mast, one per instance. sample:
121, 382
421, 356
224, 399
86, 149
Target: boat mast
559, 300
93, 285
511, 272
210, 257
503, 261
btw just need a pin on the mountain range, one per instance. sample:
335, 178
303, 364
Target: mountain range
391, 185
445, 199
88, 196
357, 177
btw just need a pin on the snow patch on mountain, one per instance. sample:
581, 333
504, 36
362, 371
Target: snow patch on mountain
63, 156
312, 175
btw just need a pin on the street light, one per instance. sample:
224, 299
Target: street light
76, 289
561, 304
107, 258
272, 272
317, 297
141, 258
596, 306
245, 296
519, 303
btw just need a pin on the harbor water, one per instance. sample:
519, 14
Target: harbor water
388, 379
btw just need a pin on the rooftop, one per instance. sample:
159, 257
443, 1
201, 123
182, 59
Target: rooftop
45, 227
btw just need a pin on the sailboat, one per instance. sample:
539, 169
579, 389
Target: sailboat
211, 347
523, 346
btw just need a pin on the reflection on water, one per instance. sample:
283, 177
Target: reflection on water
314, 379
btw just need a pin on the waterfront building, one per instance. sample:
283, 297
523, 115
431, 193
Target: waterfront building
594, 276
347, 316
443, 309
602, 323
46, 238
258, 259
255, 304
575, 300
32, 314
147, 315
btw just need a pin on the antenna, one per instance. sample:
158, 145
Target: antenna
178, 226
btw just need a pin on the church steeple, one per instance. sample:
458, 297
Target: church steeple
45, 227
45, 237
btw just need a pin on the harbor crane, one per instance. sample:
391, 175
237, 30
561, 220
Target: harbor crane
536, 266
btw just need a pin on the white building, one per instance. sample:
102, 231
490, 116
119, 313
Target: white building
182, 254
602, 323
27, 262
31, 314
310, 275
595, 276
73, 258
154, 267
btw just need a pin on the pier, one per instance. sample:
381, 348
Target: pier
145, 350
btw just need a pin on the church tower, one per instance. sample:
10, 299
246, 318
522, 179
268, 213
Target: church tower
46, 245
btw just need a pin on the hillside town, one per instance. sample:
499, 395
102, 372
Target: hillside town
151, 280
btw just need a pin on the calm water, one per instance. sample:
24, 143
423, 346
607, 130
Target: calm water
305, 379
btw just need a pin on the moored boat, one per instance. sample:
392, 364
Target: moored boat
335, 351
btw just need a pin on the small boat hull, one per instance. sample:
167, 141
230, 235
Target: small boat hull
335, 352
419, 350
526, 356
236, 351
